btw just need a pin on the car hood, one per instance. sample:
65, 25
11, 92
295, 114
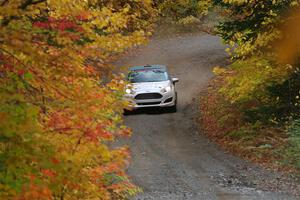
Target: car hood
149, 86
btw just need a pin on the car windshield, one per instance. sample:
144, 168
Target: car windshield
147, 75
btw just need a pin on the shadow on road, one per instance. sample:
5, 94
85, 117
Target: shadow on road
149, 111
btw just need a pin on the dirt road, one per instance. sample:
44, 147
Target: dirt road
170, 158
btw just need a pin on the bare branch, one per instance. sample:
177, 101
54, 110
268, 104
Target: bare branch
3, 2
29, 3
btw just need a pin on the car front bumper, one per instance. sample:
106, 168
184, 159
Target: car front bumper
167, 100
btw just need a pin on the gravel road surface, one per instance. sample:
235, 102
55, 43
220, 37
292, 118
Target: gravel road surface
170, 158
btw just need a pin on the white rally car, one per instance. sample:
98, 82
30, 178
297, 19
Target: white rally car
151, 86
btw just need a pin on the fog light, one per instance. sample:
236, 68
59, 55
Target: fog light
169, 100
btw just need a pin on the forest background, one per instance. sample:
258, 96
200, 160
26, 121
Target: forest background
61, 105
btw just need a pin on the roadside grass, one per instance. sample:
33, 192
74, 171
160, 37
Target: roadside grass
223, 122
292, 151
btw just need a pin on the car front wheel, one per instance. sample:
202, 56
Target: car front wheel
127, 112
173, 108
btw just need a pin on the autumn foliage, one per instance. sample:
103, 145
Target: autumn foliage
57, 115
253, 106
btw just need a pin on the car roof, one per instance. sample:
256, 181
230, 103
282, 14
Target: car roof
162, 67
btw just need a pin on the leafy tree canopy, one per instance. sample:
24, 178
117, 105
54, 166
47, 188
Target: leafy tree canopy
55, 117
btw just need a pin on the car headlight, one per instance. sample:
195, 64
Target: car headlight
166, 89
128, 91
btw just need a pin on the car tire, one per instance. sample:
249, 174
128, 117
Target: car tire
126, 112
173, 108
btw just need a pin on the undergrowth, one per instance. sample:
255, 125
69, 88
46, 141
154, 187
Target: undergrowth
293, 148
252, 136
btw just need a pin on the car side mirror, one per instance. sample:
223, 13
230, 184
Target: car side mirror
175, 80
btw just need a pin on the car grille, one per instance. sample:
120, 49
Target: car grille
148, 96
150, 103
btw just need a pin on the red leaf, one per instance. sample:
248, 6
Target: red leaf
21, 72
55, 161
48, 172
